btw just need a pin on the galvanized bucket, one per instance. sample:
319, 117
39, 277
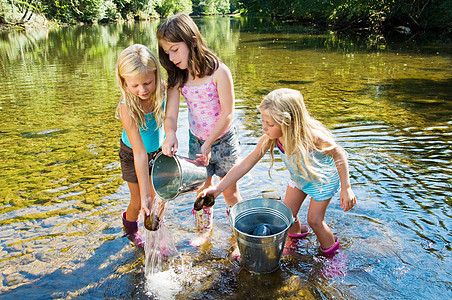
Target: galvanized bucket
176, 175
260, 254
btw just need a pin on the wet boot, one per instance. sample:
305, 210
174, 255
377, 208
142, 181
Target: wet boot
132, 232
204, 222
336, 263
329, 253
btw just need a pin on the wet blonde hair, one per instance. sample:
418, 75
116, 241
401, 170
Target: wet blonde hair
201, 61
132, 61
287, 108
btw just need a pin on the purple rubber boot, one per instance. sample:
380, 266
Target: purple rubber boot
333, 250
131, 230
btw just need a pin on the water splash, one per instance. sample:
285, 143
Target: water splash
336, 266
159, 243
180, 278
164, 285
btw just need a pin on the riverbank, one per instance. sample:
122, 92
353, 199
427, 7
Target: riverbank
42, 23
37, 22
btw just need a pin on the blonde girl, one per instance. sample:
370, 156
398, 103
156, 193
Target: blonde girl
317, 165
205, 83
141, 111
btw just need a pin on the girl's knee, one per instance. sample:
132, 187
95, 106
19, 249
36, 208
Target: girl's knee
232, 195
314, 221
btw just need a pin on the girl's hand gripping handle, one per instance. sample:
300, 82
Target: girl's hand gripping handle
170, 144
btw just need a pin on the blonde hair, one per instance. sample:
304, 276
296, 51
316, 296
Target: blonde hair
201, 61
132, 61
287, 108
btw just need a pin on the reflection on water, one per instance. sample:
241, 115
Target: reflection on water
61, 192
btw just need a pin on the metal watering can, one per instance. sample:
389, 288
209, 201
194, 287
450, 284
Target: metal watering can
176, 175
260, 254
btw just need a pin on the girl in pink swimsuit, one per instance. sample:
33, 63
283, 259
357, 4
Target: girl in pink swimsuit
206, 84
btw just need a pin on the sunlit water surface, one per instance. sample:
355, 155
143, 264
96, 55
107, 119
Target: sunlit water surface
61, 194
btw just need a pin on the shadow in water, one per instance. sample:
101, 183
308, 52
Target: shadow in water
417, 91
112, 266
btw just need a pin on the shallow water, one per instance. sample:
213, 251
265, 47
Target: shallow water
388, 102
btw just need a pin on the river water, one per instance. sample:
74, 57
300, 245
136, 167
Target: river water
387, 101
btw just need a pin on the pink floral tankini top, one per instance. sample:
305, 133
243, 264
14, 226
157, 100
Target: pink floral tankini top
204, 108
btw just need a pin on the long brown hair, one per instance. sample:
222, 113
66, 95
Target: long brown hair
201, 61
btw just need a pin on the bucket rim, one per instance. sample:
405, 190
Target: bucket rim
179, 168
291, 220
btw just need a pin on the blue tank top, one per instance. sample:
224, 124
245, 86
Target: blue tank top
152, 136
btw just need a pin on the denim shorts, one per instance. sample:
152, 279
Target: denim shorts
225, 152
128, 164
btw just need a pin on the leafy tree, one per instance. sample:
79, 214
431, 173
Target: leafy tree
373, 14
18, 11
211, 7
109, 12
128, 9
378, 15
169, 7
72, 11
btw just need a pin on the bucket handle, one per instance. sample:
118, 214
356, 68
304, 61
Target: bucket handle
228, 212
154, 155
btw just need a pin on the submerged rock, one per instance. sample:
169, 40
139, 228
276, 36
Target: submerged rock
262, 230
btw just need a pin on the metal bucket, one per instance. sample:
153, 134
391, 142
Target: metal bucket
176, 175
260, 254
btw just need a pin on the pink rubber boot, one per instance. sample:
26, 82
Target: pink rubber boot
204, 221
300, 235
333, 250
132, 233
336, 264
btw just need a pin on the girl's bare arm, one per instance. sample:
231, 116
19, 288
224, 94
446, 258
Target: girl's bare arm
140, 157
238, 171
347, 196
224, 82
170, 144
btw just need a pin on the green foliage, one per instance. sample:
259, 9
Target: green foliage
59, 10
73, 11
92, 11
211, 7
109, 11
373, 14
18, 11
170, 7
87, 10
439, 14
129, 9
377, 15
